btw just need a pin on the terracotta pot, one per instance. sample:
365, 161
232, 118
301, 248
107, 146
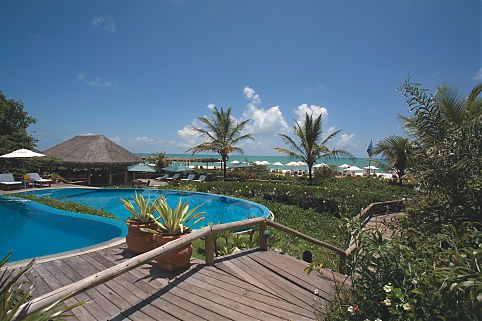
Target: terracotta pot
139, 242
178, 260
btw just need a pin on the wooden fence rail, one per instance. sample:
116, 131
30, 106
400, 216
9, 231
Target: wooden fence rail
208, 233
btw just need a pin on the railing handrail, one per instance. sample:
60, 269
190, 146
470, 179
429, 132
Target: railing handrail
208, 232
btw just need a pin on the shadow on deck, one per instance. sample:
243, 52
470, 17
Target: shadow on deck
251, 285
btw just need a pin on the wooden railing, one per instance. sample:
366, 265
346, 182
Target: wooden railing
208, 233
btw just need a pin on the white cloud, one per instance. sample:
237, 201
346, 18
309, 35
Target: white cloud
105, 23
211, 106
144, 139
313, 110
95, 81
316, 88
188, 136
346, 139
478, 75
265, 121
87, 134
251, 95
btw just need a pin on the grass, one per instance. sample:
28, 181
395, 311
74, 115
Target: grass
66, 206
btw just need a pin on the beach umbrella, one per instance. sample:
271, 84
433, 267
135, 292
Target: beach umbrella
22, 153
345, 166
292, 164
265, 162
277, 164
371, 167
235, 162
302, 164
319, 165
176, 169
353, 169
141, 168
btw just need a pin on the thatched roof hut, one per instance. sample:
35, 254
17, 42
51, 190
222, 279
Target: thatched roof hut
92, 151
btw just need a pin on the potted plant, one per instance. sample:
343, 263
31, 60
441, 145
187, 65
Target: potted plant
142, 211
170, 225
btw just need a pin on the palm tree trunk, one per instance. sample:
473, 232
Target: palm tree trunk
224, 167
309, 172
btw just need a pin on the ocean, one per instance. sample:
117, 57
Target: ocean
360, 162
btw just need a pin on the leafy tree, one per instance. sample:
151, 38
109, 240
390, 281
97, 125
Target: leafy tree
395, 149
311, 146
446, 152
222, 134
159, 159
14, 122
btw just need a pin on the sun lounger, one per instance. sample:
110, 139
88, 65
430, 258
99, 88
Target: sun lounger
176, 176
8, 180
140, 182
38, 180
163, 177
201, 178
190, 177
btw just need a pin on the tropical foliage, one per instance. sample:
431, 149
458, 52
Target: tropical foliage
222, 134
69, 206
159, 159
174, 221
141, 208
14, 124
14, 293
430, 270
311, 144
396, 150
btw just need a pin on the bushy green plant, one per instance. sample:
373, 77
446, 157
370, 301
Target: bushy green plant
14, 293
70, 206
174, 221
141, 208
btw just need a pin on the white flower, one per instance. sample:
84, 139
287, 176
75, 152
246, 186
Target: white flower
407, 306
387, 302
350, 309
316, 292
387, 288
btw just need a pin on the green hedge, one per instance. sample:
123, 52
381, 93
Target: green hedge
340, 196
66, 206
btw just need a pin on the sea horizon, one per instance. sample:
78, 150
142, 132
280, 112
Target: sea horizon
356, 161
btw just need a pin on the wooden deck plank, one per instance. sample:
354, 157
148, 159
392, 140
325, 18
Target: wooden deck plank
252, 285
259, 308
277, 284
295, 273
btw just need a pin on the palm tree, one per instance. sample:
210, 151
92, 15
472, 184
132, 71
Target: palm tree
395, 149
311, 146
159, 160
222, 133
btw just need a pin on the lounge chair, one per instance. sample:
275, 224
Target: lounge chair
201, 178
36, 179
8, 180
190, 177
163, 177
174, 177
140, 182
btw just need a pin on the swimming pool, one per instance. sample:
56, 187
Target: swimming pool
54, 231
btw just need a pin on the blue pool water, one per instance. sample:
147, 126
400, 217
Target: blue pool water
31, 229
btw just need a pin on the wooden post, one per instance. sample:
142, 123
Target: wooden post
342, 264
89, 180
110, 176
209, 248
125, 177
263, 240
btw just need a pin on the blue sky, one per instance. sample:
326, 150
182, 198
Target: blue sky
140, 72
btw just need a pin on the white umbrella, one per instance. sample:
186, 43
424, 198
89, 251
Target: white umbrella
293, 164
353, 169
235, 162
258, 163
266, 162
371, 167
319, 165
302, 164
22, 153
344, 166
277, 164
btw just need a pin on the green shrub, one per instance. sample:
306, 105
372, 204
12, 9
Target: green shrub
66, 206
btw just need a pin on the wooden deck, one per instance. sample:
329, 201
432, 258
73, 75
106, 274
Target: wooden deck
252, 285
